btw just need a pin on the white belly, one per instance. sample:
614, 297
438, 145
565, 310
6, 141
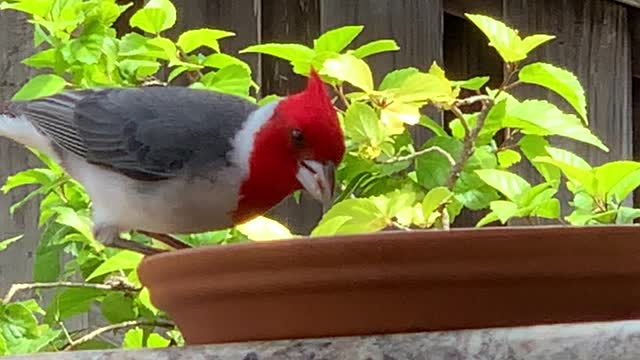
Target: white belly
169, 206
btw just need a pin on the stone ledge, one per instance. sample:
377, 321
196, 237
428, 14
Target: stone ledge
602, 341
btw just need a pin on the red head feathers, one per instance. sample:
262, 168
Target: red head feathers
299, 146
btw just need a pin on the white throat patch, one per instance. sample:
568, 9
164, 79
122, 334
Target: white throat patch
242, 143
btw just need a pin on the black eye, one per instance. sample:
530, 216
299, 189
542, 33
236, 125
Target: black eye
297, 137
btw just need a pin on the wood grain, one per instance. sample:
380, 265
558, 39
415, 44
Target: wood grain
16, 262
592, 40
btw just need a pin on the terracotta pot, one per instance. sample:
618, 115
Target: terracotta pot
398, 282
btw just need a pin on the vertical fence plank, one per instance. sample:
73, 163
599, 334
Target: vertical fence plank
466, 54
592, 40
289, 21
16, 43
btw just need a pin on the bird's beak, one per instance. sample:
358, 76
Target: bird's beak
318, 180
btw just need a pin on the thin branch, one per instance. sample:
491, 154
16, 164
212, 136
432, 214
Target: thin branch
340, 91
420, 153
115, 286
512, 85
119, 326
458, 113
469, 143
472, 100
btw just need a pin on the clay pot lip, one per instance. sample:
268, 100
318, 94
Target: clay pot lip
369, 249
351, 285
393, 234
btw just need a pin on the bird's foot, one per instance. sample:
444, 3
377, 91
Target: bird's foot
165, 239
121, 243
110, 237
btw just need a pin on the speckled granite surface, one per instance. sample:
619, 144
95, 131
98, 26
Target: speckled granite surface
601, 341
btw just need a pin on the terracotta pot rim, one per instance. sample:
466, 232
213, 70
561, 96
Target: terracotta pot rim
398, 281
260, 267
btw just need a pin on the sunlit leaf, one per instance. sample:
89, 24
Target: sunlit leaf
375, 47
350, 69
508, 158
434, 198
559, 80
123, 260
193, 39
264, 229
155, 17
510, 185
336, 40
290, 52
40, 86
363, 216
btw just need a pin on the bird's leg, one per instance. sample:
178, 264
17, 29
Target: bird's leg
165, 239
110, 236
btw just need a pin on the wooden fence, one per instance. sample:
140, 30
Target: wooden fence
599, 40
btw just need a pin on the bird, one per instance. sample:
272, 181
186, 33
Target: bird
163, 160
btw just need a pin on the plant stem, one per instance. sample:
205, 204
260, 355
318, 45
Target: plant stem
469, 143
123, 325
116, 286
420, 153
340, 91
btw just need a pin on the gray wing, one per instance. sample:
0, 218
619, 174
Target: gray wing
150, 133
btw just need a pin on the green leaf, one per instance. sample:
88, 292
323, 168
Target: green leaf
139, 69
472, 84
233, 79
220, 61
264, 229
40, 8
425, 87
505, 39
336, 40
434, 198
609, 175
559, 80
568, 157
432, 168
363, 216
17, 322
157, 341
549, 209
432, 125
375, 47
289, 52
4, 244
627, 215
42, 59
505, 210
155, 17
531, 42
144, 297
396, 78
623, 188
533, 146
508, 158
133, 339
537, 117
574, 174
510, 185
40, 86
123, 260
487, 219
193, 39
349, 68
117, 307
28, 177
82, 224
362, 125
72, 302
